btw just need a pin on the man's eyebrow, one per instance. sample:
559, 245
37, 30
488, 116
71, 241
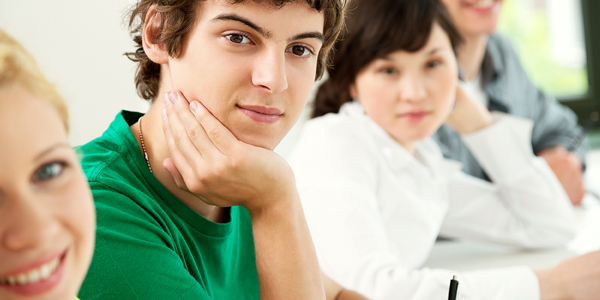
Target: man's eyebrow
50, 149
238, 18
308, 35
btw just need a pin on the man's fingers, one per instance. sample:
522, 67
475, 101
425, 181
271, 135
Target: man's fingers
221, 137
170, 166
177, 159
184, 121
180, 136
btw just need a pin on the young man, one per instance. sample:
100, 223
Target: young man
494, 73
192, 202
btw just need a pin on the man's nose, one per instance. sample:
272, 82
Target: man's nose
269, 72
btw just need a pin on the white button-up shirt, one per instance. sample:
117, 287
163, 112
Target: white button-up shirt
375, 210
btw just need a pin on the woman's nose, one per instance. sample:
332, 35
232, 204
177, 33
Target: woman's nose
411, 89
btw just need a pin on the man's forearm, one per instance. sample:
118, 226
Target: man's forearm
286, 261
350, 295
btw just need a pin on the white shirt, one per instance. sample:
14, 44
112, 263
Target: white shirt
374, 210
474, 89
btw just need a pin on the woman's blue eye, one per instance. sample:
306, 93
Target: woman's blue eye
48, 171
238, 38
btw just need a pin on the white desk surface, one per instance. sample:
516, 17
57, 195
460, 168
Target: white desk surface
467, 255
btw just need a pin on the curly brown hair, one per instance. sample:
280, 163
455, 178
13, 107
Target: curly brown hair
177, 19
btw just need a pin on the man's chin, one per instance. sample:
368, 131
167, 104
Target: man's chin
261, 141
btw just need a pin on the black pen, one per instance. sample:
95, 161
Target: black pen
576, 140
453, 288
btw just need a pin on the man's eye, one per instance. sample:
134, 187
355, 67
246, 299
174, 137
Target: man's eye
238, 38
48, 171
300, 50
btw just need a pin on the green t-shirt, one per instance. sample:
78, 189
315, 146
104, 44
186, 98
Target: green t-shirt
149, 245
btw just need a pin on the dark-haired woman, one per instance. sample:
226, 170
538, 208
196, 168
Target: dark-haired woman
376, 189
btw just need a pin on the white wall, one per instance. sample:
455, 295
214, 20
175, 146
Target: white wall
79, 45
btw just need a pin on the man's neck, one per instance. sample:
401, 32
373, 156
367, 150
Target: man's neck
156, 148
471, 54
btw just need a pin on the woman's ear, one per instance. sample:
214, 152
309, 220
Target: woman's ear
353, 91
155, 51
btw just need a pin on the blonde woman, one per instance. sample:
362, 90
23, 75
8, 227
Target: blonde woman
47, 216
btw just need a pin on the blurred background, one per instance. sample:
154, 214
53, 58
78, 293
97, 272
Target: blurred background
80, 44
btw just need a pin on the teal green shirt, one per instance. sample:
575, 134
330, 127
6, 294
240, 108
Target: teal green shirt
149, 245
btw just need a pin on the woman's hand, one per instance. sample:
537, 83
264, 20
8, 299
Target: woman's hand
577, 278
207, 160
469, 115
567, 167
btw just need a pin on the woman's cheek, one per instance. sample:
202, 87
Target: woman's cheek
79, 212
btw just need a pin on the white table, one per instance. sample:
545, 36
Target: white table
467, 255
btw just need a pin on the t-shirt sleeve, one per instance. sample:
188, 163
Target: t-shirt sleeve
134, 256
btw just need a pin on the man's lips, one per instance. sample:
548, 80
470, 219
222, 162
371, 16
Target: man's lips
262, 114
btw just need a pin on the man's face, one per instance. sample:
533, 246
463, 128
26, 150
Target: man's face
251, 65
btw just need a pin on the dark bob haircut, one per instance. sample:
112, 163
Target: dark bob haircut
376, 28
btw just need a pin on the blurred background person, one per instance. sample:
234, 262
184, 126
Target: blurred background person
377, 191
494, 76
46, 212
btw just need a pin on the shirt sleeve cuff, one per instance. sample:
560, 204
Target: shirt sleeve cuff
503, 149
515, 283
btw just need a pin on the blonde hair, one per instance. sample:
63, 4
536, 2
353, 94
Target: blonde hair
17, 66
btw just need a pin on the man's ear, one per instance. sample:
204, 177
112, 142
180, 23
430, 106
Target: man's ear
155, 51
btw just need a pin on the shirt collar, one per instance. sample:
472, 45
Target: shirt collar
492, 65
492, 68
396, 156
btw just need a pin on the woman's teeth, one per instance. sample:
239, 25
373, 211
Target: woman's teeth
484, 3
32, 276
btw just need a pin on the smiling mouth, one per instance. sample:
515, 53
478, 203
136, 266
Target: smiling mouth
261, 114
36, 280
483, 4
33, 276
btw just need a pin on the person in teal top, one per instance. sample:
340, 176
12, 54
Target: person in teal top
192, 202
